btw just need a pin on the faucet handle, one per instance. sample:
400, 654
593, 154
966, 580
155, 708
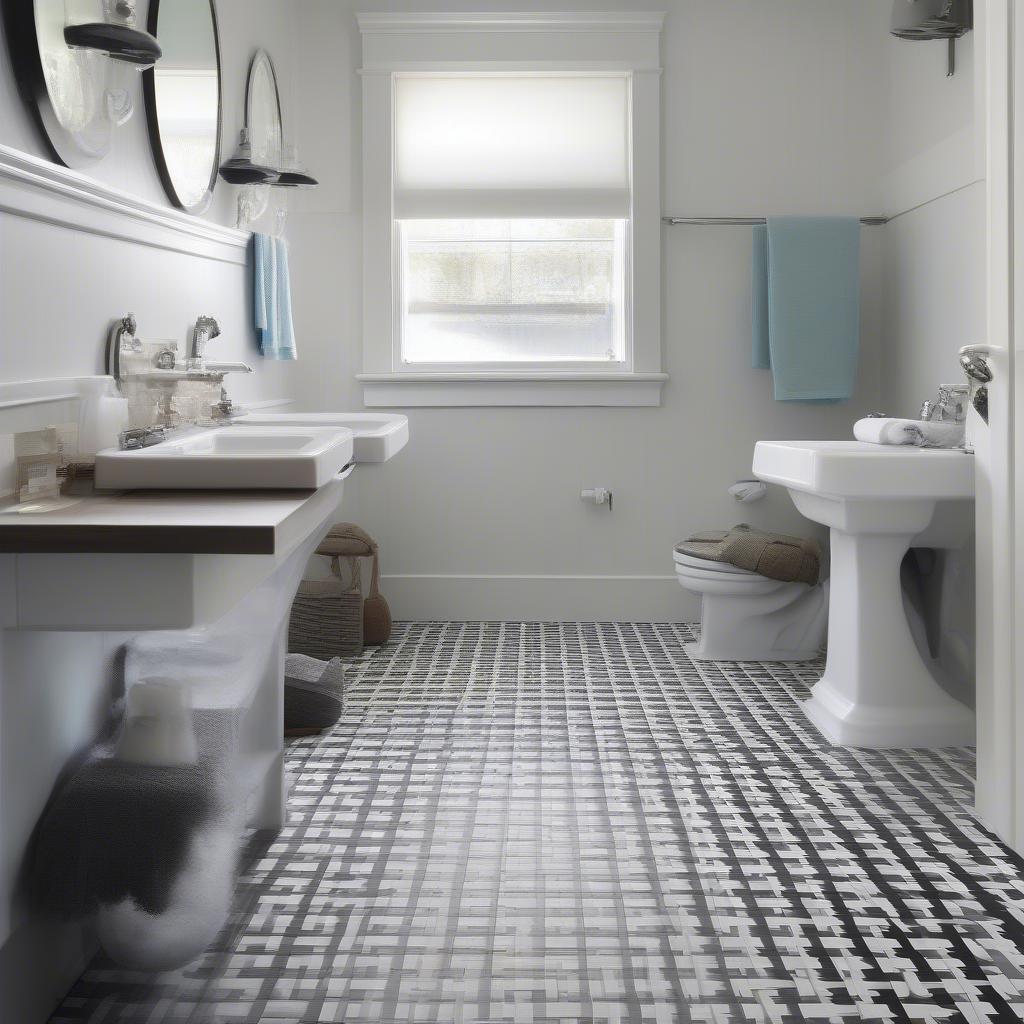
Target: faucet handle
140, 437
210, 325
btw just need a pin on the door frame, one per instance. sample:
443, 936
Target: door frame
999, 789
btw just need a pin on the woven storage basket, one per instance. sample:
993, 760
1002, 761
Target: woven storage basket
327, 618
353, 542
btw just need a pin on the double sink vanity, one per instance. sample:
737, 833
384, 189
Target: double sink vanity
193, 548
256, 452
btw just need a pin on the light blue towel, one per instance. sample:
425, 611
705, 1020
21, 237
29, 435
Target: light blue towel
272, 298
806, 306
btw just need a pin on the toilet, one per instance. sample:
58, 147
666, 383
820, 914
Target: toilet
748, 617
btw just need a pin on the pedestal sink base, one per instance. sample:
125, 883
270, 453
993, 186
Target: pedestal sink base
877, 500
876, 690
940, 722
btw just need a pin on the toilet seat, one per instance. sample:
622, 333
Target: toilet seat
749, 617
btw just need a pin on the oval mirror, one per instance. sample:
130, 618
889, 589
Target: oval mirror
183, 99
263, 112
77, 95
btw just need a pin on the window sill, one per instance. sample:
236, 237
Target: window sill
511, 389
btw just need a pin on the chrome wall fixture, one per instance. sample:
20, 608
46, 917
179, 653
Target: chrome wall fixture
749, 221
933, 19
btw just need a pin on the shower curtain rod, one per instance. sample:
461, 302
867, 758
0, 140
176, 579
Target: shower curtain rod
733, 221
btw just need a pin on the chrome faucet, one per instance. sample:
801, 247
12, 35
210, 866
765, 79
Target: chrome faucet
949, 407
225, 409
205, 330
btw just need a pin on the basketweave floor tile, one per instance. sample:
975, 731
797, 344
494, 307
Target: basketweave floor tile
538, 822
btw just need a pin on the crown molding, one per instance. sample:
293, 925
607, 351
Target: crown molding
38, 190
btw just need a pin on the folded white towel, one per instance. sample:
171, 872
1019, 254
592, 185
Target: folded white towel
923, 433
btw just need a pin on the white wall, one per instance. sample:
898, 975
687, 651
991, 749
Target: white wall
934, 182
59, 290
770, 107
934, 276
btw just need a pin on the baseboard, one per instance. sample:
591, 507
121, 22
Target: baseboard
478, 597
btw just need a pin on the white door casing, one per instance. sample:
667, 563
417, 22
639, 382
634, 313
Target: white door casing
999, 792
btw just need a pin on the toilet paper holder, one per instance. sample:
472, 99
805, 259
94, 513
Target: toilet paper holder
748, 490
597, 496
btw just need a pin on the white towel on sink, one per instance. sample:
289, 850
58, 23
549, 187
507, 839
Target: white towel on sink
923, 433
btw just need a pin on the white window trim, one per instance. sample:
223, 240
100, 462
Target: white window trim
607, 41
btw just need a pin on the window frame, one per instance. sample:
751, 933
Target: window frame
611, 42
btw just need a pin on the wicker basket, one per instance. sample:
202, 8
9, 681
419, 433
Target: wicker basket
327, 618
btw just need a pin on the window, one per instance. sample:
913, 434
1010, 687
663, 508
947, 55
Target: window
512, 205
502, 220
513, 291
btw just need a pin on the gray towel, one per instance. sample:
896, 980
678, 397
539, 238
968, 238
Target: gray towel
313, 694
117, 830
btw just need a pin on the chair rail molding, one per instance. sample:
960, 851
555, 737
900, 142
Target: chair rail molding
38, 190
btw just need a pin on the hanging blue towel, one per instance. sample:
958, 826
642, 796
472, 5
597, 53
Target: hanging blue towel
272, 298
806, 306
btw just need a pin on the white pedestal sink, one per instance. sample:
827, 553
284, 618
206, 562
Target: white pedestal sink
878, 501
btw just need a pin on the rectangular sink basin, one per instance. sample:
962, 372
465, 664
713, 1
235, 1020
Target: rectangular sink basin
229, 458
857, 470
377, 436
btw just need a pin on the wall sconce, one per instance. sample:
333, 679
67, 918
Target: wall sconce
293, 175
242, 170
254, 178
933, 19
261, 162
117, 37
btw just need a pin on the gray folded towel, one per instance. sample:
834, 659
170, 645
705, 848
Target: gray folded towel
313, 694
776, 556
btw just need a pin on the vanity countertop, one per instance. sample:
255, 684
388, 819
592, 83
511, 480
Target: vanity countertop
175, 522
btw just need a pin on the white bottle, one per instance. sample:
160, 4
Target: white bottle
103, 415
158, 726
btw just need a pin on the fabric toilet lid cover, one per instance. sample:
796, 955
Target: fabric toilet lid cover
706, 565
776, 556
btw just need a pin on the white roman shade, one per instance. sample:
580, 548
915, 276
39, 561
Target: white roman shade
511, 145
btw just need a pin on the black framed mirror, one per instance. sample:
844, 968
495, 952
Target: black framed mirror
76, 92
184, 105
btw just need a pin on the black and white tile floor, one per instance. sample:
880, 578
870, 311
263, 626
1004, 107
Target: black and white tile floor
567, 823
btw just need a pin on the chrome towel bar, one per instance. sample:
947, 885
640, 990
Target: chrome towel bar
740, 221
